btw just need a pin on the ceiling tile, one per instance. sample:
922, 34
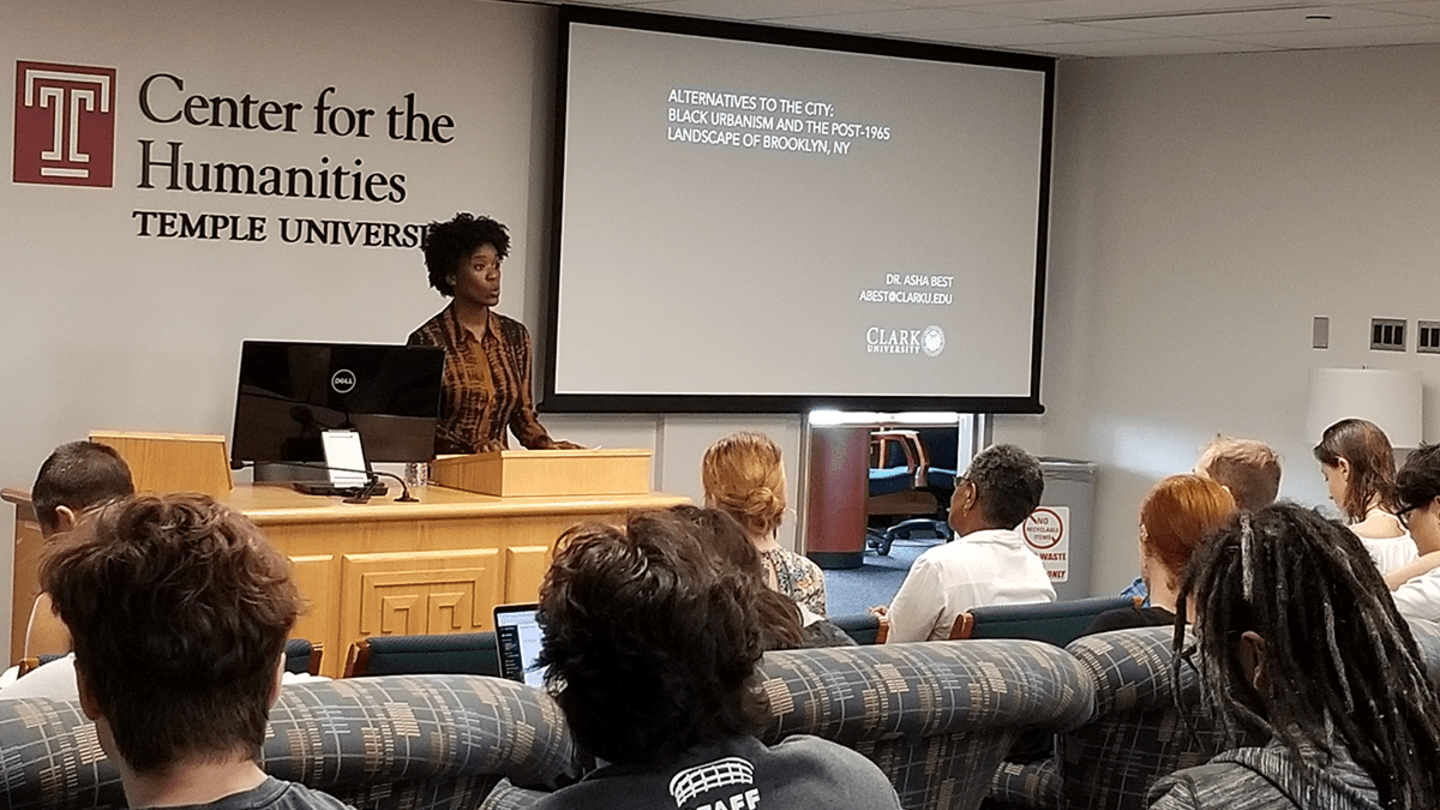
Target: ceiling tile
1152, 27
900, 21
1355, 38
1046, 33
1422, 8
1159, 46
1067, 10
768, 10
1260, 22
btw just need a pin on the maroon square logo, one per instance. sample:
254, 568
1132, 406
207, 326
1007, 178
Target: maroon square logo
64, 124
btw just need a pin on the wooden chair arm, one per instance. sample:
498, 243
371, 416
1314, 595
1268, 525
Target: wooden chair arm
357, 661
917, 460
962, 628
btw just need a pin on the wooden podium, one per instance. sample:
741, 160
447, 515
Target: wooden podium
388, 568
547, 473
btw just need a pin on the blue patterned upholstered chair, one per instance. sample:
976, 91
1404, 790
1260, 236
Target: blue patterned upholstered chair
937, 717
414, 742
1137, 734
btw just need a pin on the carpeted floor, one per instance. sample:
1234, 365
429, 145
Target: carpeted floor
852, 590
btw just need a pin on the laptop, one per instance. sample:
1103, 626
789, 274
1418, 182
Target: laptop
518, 641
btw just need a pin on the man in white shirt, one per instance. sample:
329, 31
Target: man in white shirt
989, 562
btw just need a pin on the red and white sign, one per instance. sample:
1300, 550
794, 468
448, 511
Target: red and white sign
1047, 531
64, 124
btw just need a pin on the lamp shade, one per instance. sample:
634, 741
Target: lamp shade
1389, 398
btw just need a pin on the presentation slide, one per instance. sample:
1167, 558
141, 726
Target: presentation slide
747, 220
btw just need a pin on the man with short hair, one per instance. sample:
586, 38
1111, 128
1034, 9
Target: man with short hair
76, 477
179, 609
1250, 469
988, 563
651, 649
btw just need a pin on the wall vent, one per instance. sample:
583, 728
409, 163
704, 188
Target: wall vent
1427, 337
1387, 334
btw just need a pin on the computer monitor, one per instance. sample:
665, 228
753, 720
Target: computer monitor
290, 392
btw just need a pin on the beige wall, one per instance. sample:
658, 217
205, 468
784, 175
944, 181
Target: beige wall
1205, 209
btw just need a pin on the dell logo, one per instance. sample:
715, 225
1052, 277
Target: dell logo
343, 381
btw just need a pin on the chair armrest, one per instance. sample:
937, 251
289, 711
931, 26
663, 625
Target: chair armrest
917, 460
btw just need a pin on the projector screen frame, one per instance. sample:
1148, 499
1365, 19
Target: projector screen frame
605, 403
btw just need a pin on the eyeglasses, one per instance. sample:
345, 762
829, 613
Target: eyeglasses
1404, 517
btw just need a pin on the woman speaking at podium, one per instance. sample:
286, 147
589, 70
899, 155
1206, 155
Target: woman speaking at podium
487, 355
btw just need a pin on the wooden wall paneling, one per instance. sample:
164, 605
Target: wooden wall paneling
318, 577
416, 593
25, 582
525, 568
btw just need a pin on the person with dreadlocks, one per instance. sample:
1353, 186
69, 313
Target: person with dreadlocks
1301, 647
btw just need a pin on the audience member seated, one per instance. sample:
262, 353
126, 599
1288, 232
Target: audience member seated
75, 478
1416, 584
1174, 518
651, 650
1303, 650
786, 625
1359, 468
1248, 468
179, 610
743, 476
988, 563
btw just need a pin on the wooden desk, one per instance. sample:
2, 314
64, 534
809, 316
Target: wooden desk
382, 568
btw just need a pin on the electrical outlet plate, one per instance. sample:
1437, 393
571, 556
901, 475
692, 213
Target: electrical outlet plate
1387, 334
1427, 337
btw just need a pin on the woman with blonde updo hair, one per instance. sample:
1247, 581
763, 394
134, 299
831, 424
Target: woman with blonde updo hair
743, 476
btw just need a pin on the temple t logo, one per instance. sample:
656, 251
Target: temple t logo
64, 124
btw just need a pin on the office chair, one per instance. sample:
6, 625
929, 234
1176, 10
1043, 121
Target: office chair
912, 474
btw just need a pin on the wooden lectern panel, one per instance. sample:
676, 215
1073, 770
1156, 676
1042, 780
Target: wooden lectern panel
525, 568
172, 462
547, 473
28, 545
318, 577
419, 593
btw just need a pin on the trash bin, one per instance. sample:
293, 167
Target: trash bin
1062, 529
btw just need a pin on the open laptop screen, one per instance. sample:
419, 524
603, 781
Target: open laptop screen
518, 639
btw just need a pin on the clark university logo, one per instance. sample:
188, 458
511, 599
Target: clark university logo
64, 124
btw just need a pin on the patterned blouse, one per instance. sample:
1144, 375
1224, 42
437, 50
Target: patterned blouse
486, 384
797, 577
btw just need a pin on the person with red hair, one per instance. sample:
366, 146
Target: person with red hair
1174, 518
